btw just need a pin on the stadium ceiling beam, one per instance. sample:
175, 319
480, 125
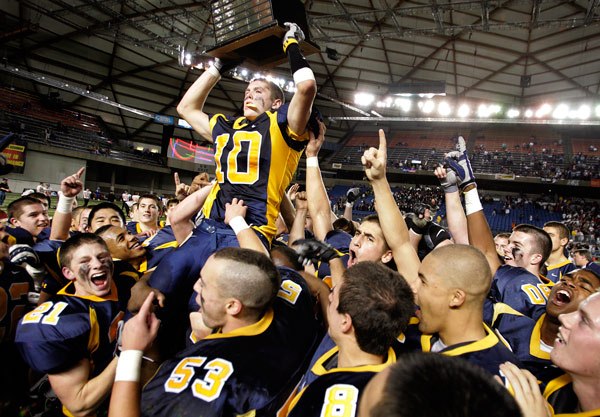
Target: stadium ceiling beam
489, 76
90, 30
355, 47
591, 11
564, 77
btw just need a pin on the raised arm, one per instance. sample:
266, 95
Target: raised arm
138, 335
191, 106
392, 223
181, 216
61, 222
306, 85
298, 226
480, 234
316, 194
457, 221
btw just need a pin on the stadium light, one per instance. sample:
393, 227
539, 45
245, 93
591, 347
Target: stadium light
528, 113
544, 110
463, 111
444, 109
561, 111
426, 106
363, 99
512, 113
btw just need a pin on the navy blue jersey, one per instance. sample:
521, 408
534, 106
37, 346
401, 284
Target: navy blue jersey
524, 336
15, 284
68, 328
555, 272
249, 370
488, 353
559, 394
520, 289
334, 389
255, 162
159, 245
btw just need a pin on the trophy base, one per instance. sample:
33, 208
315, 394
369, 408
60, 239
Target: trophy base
261, 49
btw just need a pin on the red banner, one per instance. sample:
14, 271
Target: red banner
15, 156
595, 182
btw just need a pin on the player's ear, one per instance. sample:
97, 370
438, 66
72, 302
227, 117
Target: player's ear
68, 274
276, 104
387, 256
15, 222
536, 258
458, 298
234, 306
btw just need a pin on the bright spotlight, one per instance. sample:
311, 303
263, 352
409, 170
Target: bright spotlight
528, 113
427, 106
363, 99
483, 111
404, 104
444, 109
463, 111
545, 110
512, 113
560, 112
584, 112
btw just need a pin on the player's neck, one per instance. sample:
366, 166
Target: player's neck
549, 330
463, 327
145, 226
350, 356
556, 258
587, 390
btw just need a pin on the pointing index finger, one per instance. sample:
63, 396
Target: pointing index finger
382, 142
80, 172
176, 178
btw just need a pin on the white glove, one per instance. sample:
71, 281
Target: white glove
294, 31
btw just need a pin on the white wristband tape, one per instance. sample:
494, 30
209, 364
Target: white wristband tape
64, 204
312, 161
238, 224
349, 205
129, 365
303, 74
472, 202
212, 70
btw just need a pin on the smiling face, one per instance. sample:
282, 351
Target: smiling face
520, 250
258, 99
148, 211
368, 244
105, 216
33, 218
570, 291
578, 342
122, 244
91, 268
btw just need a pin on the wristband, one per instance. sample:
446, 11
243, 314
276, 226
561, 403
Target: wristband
238, 223
472, 202
312, 162
128, 366
349, 205
64, 204
303, 74
212, 70
288, 42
